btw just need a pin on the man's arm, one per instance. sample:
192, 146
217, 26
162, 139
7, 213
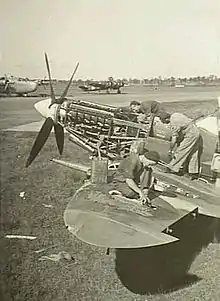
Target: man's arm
143, 198
176, 122
175, 129
173, 142
131, 183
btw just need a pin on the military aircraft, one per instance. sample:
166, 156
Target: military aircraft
107, 86
17, 86
98, 217
41, 82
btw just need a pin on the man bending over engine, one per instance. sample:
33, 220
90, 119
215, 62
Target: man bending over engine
187, 137
148, 110
134, 171
128, 112
151, 108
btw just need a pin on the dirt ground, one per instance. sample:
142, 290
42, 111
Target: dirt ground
186, 270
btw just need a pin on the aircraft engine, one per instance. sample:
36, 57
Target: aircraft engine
87, 122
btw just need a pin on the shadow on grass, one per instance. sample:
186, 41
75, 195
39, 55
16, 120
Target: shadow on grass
165, 268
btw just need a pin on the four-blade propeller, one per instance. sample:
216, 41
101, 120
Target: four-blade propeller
48, 109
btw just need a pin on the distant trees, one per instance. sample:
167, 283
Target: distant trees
172, 81
159, 81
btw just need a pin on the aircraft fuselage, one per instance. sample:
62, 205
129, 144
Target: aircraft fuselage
97, 86
17, 87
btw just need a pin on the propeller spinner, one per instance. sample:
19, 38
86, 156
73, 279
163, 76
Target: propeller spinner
48, 109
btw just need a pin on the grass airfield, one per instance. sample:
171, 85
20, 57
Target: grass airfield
186, 270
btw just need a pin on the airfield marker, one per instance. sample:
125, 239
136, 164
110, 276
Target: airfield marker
21, 236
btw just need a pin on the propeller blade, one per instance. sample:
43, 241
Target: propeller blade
59, 134
62, 97
53, 98
40, 140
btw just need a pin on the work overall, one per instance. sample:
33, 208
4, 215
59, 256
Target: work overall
188, 151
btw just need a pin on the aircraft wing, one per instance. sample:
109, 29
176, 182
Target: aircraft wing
89, 88
193, 193
209, 124
98, 219
100, 86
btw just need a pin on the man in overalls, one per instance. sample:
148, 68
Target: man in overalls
186, 136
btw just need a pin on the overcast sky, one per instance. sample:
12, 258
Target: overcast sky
120, 38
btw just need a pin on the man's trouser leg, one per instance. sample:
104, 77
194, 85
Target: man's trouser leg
125, 189
194, 162
183, 151
146, 179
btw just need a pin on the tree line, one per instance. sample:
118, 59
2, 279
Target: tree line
211, 80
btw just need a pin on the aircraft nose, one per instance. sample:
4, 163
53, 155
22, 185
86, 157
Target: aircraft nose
43, 107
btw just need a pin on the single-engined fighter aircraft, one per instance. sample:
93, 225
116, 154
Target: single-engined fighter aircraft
107, 86
96, 216
17, 86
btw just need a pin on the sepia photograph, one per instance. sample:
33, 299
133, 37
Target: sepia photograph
110, 150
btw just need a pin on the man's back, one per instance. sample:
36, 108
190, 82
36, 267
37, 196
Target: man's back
151, 107
125, 113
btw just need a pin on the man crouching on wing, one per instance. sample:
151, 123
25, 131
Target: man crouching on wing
133, 177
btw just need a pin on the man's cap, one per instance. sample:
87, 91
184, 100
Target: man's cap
152, 155
164, 116
135, 103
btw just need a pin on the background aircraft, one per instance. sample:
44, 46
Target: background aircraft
17, 86
107, 86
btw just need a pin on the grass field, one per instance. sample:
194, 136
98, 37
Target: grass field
141, 93
187, 270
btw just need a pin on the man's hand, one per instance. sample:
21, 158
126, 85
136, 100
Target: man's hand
146, 201
141, 118
171, 153
143, 197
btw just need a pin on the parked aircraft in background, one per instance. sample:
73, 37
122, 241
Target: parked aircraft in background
107, 86
10, 85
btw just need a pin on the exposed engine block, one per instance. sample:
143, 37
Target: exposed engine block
89, 122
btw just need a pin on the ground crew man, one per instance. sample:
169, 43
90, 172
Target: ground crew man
147, 111
134, 171
128, 112
186, 136
151, 108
